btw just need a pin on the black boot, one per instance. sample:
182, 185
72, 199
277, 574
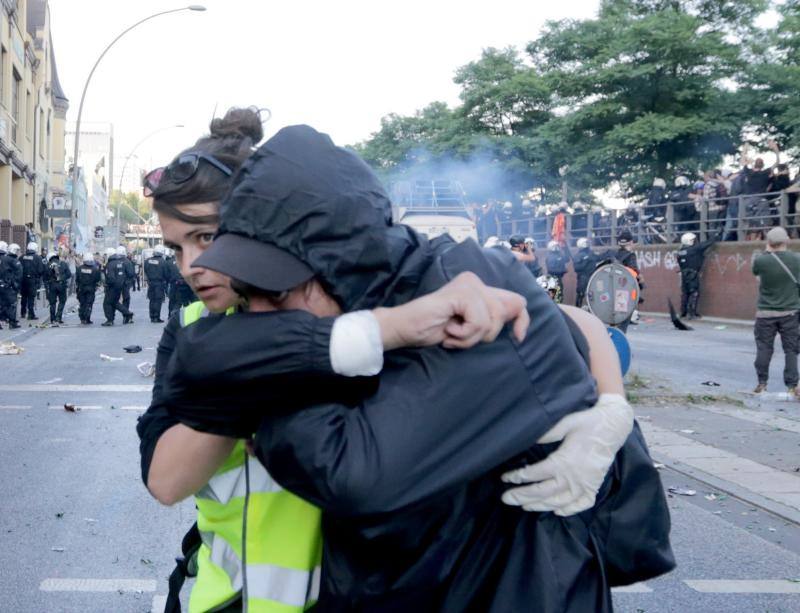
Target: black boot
684, 304
107, 323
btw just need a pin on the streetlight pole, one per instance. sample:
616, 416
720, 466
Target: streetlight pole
191, 7
125, 166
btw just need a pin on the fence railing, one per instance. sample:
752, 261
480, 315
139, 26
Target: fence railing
743, 217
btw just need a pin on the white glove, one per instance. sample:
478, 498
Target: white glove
567, 481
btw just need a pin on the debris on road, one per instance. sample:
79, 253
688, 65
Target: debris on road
720, 327
132, 348
682, 491
10, 348
711, 384
70, 408
108, 358
90, 520
147, 369
688, 431
60, 515
58, 549
146, 561
658, 465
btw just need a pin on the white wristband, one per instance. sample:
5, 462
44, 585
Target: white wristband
356, 345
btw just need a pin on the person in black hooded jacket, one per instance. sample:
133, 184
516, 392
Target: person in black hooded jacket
411, 486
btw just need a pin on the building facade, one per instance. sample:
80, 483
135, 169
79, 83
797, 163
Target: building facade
33, 111
96, 164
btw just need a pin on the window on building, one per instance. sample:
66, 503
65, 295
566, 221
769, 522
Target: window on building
28, 116
42, 152
3, 56
15, 83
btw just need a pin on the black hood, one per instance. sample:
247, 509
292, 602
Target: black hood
325, 206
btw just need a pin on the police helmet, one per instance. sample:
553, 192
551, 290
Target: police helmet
13, 249
507, 206
688, 239
625, 237
121, 251
553, 245
492, 241
88, 258
583, 243
3, 246
110, 251
33, 247
681, 181
51, 255
158, 250
530, 242
659, 182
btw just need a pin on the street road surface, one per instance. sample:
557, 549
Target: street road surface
78, 531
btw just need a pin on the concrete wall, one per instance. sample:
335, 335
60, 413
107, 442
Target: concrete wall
728, 288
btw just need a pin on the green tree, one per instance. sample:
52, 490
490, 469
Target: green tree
773, 81
648, 88
132, 208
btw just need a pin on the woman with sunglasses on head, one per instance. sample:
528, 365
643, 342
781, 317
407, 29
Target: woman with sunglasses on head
273, 564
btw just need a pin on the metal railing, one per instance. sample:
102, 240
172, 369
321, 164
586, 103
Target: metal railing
733, 218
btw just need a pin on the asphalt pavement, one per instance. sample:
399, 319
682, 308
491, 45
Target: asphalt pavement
78, 531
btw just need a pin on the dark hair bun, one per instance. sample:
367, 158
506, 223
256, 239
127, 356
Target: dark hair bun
238, 123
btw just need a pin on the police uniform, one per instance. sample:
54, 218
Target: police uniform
584, 262
130, 281
87, 280
10, 283
690, 261
114, 285
58, 275
33, 271
157, 272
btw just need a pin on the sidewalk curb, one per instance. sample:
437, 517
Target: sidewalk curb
747, 323
737, 491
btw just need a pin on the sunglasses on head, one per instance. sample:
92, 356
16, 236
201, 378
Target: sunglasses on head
180, 170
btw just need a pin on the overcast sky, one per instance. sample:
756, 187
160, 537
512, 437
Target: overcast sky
336, 65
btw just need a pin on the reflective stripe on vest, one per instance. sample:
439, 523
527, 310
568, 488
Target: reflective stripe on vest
283, 547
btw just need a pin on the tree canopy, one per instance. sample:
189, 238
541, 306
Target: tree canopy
646, 88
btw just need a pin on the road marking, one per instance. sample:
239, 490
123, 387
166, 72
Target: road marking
78, 407
76, 388
12, 407
50, 381
159, 603
98, 585
744, 586
635, 588
134, 408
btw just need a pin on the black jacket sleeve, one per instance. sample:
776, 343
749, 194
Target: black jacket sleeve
157, 420
438, 419
225, 371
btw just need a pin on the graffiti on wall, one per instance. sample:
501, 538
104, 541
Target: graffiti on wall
731, 263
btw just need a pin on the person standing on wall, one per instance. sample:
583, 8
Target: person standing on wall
778, 271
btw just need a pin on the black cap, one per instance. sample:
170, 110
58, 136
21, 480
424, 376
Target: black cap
625, 237
517, 240
259, 264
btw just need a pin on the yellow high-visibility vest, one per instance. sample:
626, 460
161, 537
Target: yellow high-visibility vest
259, 540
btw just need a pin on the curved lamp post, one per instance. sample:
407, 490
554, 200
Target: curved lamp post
191, 7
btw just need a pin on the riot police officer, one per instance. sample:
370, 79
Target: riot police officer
114, 285
690, 261
557, 261
33, 269
86, 282
10, 283
584, 262
157, 273
58, 276
130, 276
